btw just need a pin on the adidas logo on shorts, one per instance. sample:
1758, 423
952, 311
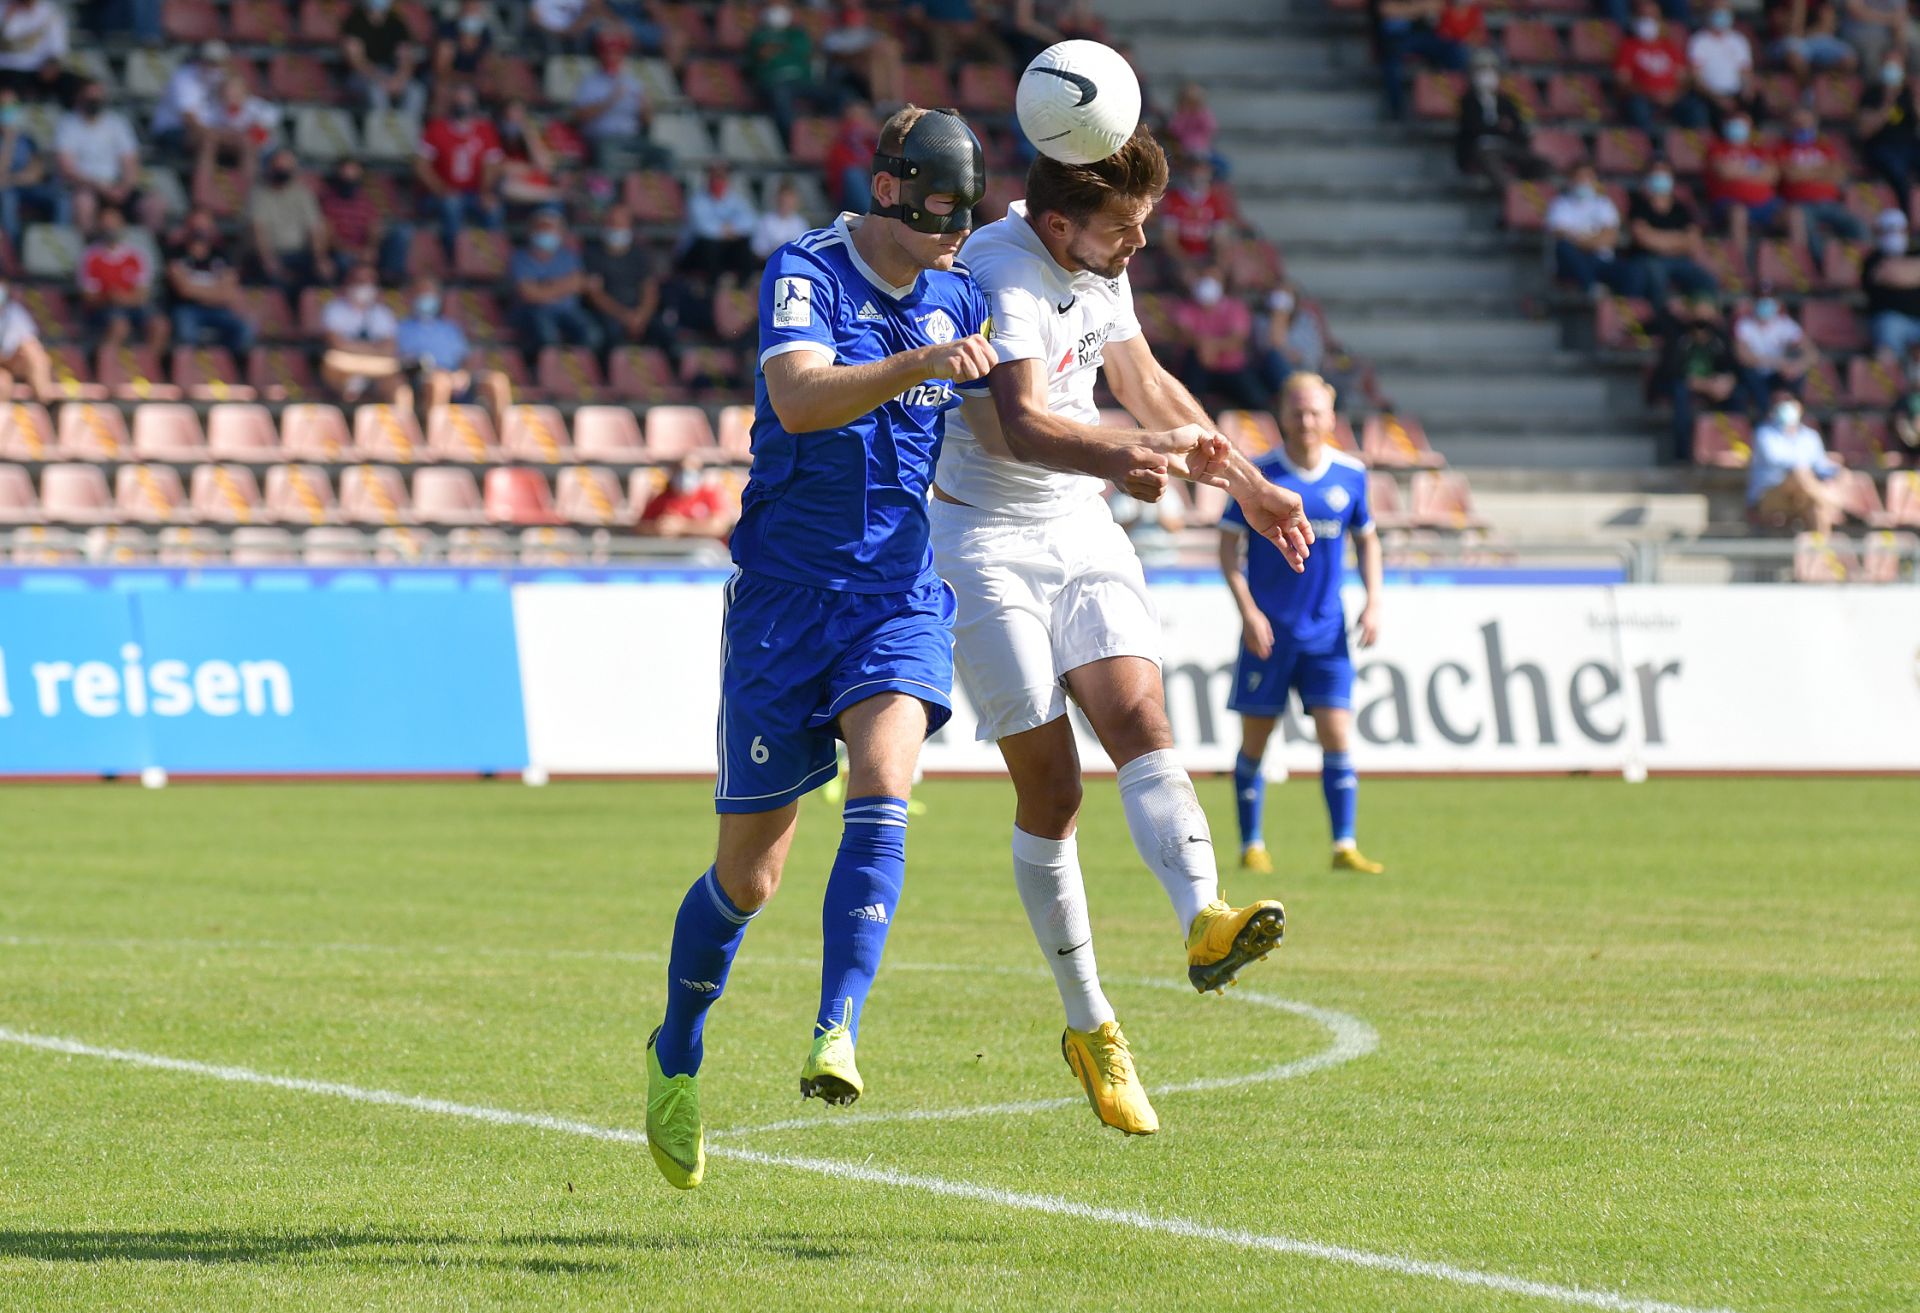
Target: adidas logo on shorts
871, 912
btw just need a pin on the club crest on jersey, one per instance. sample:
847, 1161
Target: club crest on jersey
792, 303
1337, 498
939, 328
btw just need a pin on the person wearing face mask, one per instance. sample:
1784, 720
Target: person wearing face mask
691, 504
457, 168
622, 283
1891, 279
1696, 369
1195, 211
780, 66
1651, 78
1812, 175
1290, 340
1721, 60
291, 245
1792, 480
463, 45
1494, 135
1664, 240
435, 348
383, 61
1888, 130
1742, 183
97, 156
23, 175
611, 109
1219, 332
717, 241
21, 352
361, 360
204, 289
1774, 353
353, 224
1584, 225
548, 282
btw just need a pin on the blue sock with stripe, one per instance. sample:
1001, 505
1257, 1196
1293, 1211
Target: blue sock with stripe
863, 895
706, 934
1342, 789
1249, 798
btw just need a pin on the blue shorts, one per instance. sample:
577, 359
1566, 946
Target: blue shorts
1325, 679
796, 657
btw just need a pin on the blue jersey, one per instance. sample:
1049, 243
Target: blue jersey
1305, 608
846, 508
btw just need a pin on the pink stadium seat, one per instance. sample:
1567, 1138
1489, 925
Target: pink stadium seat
1577, 96
537, 434
513, 78
281, 374
335, 546
1594, 41
568, 373
312, 432
1840, 270
299, 494
26, 431
735, 311
810, 141
75, 494
1437, 95
91, 431
426, 256
515, 495
446, 495
1622, 150
257, 545
1833, 326
222, 190
1886, 551
1821, 387
225, 494
1254, 432
1860, 499
149, 494
732, 27
1442, 500
387, 433
508, 361
208, 373
1560, 147
1903, 498
716, 85
461, 433
656, 198
259, 22
1529, 41
1524, 208
735, 434
1343, 439
1788, 268
643, 485
480, 256
1620, 324
1383, 500
1391, 441
19, 503
1722, 440
242, 431
374, 494
1818, 559
1871, 383
133, 373
299, 78
1836, 96
608, 433
73, 374
677, 431
642, 374
1861, 441
190, 21
927, 84
1726, 264
168, 431
590, 494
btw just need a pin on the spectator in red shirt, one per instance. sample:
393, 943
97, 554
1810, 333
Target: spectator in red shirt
1743, 182
1220, 330
1195, 210
849, 166
1811, 176
458, 167
1650, 73
116, 286
692, 505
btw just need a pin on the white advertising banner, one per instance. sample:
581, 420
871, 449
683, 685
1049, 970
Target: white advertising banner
624, 679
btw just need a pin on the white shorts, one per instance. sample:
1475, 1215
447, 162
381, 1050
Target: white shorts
1038, 598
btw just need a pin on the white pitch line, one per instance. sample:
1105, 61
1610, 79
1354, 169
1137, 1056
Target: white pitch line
1048, 1205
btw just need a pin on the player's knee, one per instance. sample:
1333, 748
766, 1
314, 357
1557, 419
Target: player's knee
1334, 727
749, 887
1049, 804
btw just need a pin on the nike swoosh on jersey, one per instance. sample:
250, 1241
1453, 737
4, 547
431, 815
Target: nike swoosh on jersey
1068, 306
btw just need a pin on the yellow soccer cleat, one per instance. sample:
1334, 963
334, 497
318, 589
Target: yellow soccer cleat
673, 1123
830, 1073
1223, 939
1104, 1064
1350, 859
1254, 858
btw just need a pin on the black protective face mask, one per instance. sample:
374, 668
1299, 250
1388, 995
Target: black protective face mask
940, 157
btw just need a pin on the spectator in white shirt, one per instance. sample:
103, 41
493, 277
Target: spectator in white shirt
1584, 224
1721, 59
1774, 352
561, 27
33, 48
240, 126
1792, 478
181, 115
20, 350
720, 222
782, 224
98, 157
361, 357
610, 107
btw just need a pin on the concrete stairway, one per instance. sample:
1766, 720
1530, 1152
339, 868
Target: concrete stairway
1377, 225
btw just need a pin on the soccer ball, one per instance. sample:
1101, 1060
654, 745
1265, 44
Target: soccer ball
1078, 101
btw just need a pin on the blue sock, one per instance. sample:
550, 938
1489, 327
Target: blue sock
1342, 788
863, 894
1249, 798
706, 934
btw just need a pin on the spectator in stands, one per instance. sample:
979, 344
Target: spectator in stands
20, 350
1877, 29
1410, 29
1888, 129
1494, 137
237, 127
867, 62
458, 169
1773, 351
953, 31
353, 224
1810, 40
116, 286
529, 170
1720, 58
433, 346
33, 49
719, 233
181, 115
1193, 126
548, 283
24, 178
292, 247
1891, 279
1792, 477
361, 358
1289, 340
782, 224
1650, 74
1811, 176
98, 156
382, 59
1742, 183
780, 65
1664, 240
611, 107
646, 26
1696, 369
1584, 224
463, 45
694, 504
622, 284
204, 289
849, 166
561, 27
1219, 330
1196, 211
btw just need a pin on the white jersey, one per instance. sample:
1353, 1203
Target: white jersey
1040, 312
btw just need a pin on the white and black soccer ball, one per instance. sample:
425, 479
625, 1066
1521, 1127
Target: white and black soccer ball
1078, 101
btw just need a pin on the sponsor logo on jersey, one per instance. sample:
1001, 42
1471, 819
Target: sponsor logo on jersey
934, 393
939, 328
792, 303
868, 310
1327, 528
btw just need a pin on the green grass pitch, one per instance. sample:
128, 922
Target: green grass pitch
1656, 1044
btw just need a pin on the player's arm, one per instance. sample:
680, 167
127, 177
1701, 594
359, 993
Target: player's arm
1256, 631
1138, 461
809, 392
1366, 549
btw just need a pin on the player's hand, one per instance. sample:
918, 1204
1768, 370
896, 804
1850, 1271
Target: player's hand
1143, 473
1256, 634
1369, 624
962, 360
1207, 463
1179, 441
1277, 515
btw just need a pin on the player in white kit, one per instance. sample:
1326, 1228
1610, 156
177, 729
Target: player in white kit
1052, 600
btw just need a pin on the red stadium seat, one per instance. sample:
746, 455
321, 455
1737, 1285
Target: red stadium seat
1788, 268
149, 494
1383, 501
299, 494
1594, 41
133, 373
1836, 96
735, 434
1779, 94
1395, 441
1840, 269
537, 434
426, 258
1903, 498
810, 141
1622, 150
281, 374
225, 494
314, 433
296, 78
677, 431
1442, 500
513, 78
1872, 384
656, 198
1861, 441
480, 256
445, 495
374, 494
1524, 209
387, 433
259, 22
168, 431
608, 433
26, 432
75, 494
221, 190
1577, 96
716, 85
191, 21
1722, 440
1529, 41
1833, 326
515, 495
1727, 265
569, 373
19, 503
1620, 324
1437, 95
91, 431
208, 373
590, 494
926, 84
642, 374
461, 433
732, 27
1560, 147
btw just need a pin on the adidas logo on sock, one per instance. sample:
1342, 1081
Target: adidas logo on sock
700, 986
871, 912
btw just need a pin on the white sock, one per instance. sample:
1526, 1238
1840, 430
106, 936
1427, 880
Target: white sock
1047, 874
1170, 831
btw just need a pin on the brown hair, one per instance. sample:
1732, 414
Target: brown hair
893, 133
1136, 172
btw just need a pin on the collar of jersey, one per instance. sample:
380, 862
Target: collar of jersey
1022, 224
1313, 475
866, 270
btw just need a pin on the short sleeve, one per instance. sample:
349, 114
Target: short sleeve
1362, 520
1233, 519
381, 324
1017, 332
799, 306
1126, 323
336, 317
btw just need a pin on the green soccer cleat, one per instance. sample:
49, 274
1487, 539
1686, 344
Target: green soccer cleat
830, 1073
673, 1123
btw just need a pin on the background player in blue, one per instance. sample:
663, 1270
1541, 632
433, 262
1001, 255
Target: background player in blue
1295, 631
836, 624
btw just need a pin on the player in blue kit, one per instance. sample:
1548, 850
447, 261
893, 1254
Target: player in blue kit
1294, 628
836, 624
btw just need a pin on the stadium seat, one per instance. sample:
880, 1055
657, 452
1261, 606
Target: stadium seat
1881, 561
1787, 268
1254, 432
811, 140
225, 494
461, 433
1820, 389
208, 373
1840, 269
1722, 440
677, 431
1871, 384
1394, 441
1860, 499
1383, 500
446, 495
708, 369
716, 85
281, 374
1560, 147
471, 547
52, 311
643, 485
298, 78
19, 503
590, 494
1622, 150
324, 134
133, 373
71, 372
478, 311
508, 361
561, 77
735, 311
1836, 96
387, 433
1819, 559
168, 431
257, 545
656, 198
259, 22
642, 373
147, 72
1779, 94
374, 494
608, 433
927, 84
1577, 96
568, 372
75, 494
50, 251
41, 545
552, 545
1727, 265
1442, 500
515, 495
311, 432
190, 21
91, 431
299, 494
1861, 441
735, 434
397, 545
118, 544
685, 135
480, 256
1594, 41
1524, 207
1833, 326
26, 432
1620, 324
537, 434
1903, 498
336, 546
390, 135
752, 140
